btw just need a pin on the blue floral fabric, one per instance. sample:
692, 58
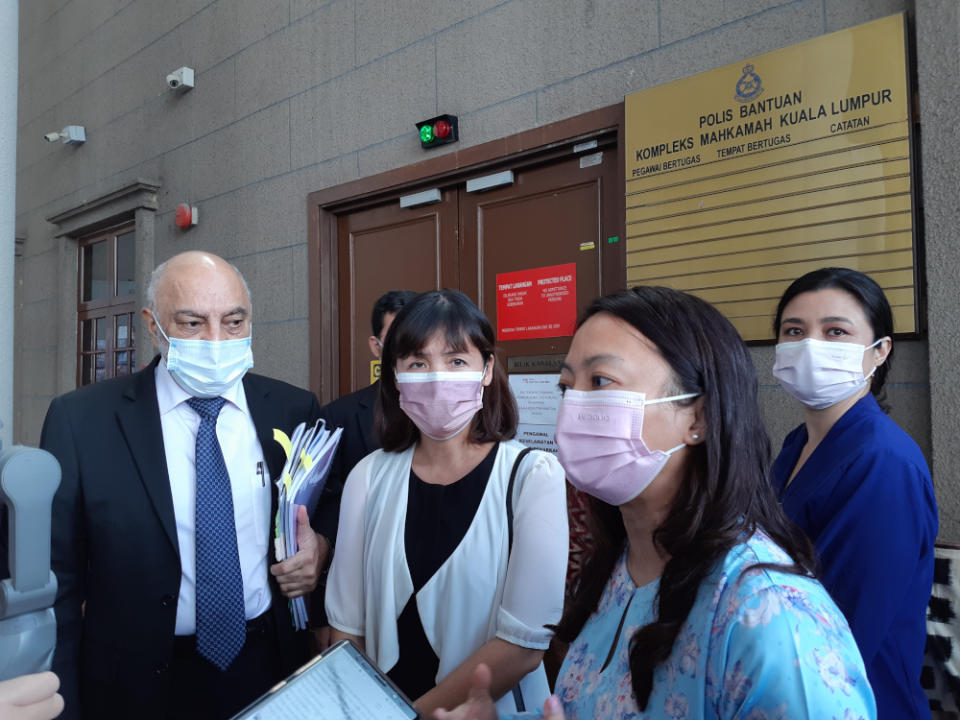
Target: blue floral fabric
760, 645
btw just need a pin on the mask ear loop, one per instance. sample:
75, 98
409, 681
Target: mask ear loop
159, 326
165, 336
870, 374
655, 401
482, 386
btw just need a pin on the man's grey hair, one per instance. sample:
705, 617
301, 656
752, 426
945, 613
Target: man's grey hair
158, 273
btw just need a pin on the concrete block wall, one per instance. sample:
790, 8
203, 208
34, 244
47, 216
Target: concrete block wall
294, 96
938, 81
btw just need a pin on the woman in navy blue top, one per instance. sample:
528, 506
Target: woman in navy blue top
855, 482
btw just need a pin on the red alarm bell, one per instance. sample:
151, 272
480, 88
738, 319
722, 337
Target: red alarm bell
185, 216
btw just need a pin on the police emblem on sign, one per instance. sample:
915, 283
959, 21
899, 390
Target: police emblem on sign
749, 85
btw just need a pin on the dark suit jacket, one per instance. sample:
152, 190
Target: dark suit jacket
353, 413
114, 544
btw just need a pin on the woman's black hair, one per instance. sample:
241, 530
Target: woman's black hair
725, 494
461, 322
866, 292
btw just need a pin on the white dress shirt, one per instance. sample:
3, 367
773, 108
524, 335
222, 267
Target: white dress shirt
249, 481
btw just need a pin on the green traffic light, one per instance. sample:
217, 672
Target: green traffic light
426, 133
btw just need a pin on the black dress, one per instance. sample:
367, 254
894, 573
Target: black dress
438, 516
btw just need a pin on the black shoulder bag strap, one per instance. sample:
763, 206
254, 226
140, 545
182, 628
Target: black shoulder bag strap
517, 695
513, 476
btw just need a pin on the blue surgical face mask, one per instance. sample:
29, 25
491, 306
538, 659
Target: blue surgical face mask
206, 368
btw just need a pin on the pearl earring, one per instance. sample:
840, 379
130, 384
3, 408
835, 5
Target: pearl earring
696, 437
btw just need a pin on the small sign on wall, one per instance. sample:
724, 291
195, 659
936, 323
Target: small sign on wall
538, 402
538, 437
537, 303
538, 397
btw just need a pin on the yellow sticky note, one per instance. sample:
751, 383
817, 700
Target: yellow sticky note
281, 437
306, 460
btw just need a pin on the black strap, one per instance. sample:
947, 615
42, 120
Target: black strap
517, 694
513, 476
518, 699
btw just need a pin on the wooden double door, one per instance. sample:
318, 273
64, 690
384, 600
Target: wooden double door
564, 210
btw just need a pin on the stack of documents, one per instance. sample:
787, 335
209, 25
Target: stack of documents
309, 455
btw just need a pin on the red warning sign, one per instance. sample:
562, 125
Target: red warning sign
537, 303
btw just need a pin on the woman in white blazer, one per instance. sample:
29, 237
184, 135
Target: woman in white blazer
442, 560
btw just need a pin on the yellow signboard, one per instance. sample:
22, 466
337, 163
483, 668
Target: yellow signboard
743, 178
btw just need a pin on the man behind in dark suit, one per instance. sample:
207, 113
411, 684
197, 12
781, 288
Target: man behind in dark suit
168, 606
353, 413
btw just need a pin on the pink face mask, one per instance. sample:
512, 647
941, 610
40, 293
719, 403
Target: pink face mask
441, 404
600, 444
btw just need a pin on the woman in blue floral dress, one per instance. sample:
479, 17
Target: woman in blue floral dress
698, 600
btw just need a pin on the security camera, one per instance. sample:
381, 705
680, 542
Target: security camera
180, 79
70, 135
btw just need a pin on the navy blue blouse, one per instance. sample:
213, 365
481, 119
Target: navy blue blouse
865, 499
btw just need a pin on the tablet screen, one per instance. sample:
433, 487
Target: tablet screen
341, 685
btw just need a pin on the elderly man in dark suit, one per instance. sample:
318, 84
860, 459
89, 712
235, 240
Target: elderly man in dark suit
353, 413
168, 605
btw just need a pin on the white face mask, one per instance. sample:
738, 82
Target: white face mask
205, 368
820, 373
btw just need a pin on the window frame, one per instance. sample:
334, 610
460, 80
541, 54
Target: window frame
108, 309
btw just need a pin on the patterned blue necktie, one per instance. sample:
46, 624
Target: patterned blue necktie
221, 619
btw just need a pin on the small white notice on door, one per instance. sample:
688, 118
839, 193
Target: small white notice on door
538, 437
591, 160
538, 397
